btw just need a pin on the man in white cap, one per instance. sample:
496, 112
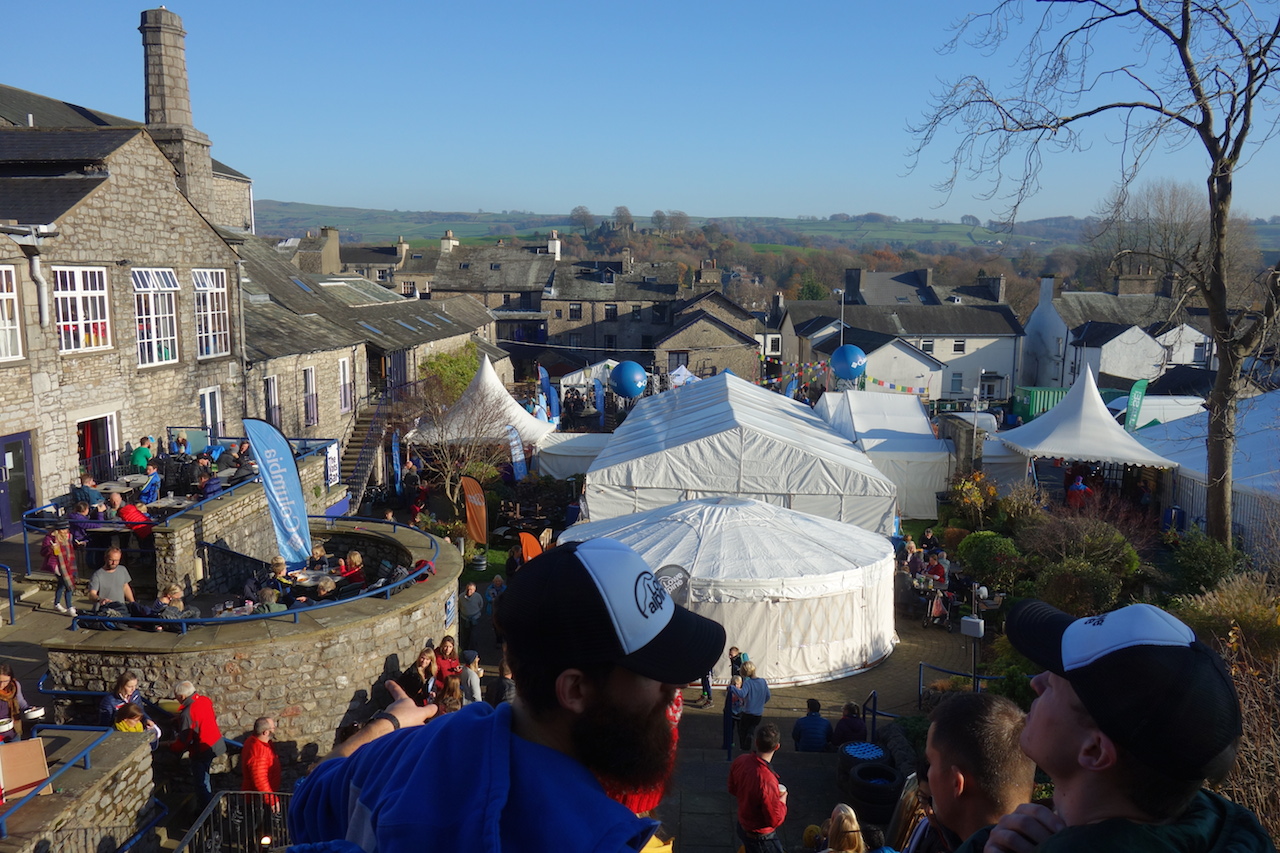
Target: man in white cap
598, 651
1132, 716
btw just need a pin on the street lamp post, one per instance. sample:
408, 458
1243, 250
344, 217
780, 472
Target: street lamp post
838, 292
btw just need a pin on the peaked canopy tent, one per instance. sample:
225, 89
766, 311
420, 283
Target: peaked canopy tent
809, 599
484, 410
1255, 486
579, 378
1081, 427
894, 431
725, 436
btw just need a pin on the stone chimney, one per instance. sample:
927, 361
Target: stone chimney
402, 251
553, 244
1144, 282
779, 305
994, 284
168, 107
330, 256
1047, 285
448, 242
852, 287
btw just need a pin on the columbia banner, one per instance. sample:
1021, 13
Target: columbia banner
283, 486
477, 512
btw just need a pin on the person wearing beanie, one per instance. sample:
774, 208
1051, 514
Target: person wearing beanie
598, 651
1132, 716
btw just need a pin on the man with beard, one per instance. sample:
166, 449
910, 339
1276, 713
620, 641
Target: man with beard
597, 650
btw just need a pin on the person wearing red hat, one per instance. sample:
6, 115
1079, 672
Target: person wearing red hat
1132, 716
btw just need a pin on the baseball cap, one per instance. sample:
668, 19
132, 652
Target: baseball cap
1144, 678
599, 602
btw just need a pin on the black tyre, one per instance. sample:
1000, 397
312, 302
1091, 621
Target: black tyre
875, 784
856, 752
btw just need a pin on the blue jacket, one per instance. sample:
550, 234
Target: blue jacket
753, 693
811, 733
151, 491
506, 794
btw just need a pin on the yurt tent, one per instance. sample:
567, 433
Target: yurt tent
1081, 427
1255, 484
809, 599
483, 411
894, 431
725, 436
568, 454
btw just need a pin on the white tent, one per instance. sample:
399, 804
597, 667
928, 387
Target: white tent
1160, 408
1256, 466
1081, 427
680, 376
807, 598
483, 411
568, 454
894, 431
579, 378
725, 436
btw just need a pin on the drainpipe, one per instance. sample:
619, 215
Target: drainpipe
244, 359
31, 238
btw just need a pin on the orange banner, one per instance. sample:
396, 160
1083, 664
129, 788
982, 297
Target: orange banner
530, 547
477, 512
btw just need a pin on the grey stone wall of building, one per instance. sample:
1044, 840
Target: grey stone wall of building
287, 370
232, 202
710, 347
315, 676
137, 218
95, 809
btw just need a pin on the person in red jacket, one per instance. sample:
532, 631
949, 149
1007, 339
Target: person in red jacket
259, 764
447, 662
199, 734
762, 802
139, 522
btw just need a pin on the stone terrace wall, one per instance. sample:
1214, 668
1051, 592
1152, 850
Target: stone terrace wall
313, 676
96, 809
239, 522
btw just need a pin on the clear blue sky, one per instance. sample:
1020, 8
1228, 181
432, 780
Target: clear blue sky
714, 108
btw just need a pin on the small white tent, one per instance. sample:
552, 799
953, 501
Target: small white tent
483, 411
807, 598
725, 436
1081, 427
580, 378
894, 431
568, 454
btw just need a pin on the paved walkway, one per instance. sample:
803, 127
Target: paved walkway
698, 811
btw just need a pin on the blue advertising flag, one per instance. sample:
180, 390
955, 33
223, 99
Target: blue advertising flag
395, 462
599, 400
283, 486
553, 399
518, 467
791, 388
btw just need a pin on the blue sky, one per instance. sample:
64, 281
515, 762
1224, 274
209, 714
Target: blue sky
714, 108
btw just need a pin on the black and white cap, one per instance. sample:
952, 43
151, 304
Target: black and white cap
598, 601
1144, 678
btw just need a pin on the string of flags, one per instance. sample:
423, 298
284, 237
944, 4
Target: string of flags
803, 365
893, 386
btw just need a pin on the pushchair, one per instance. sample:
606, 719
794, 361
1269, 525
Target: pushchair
939, 606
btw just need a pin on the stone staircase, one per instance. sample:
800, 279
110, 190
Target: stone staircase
366, 440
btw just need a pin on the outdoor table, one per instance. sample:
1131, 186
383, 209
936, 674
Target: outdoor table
106, 535
308, 577
134, 481
116, 487
165, 507
242, 610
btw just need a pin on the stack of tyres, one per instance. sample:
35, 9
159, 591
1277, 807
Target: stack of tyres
874, 790
850, 755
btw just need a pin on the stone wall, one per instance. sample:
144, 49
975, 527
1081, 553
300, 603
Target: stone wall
232, 202
239, 522
287, 370
93, 810
709, 346
313, 675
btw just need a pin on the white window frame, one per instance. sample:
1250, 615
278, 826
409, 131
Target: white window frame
210, 401
773, 345
155, 306
345, 402
82, 309
271, 400
1200, 352
957, 383
310, 398
10, 316
958, 346
926, 345
213, 317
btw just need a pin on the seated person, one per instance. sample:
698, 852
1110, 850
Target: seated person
935, 570
326, 591
209, 485
929, 542
352, 569
319, 560
170, 605
135, 515
86, 491
269, 602
80, 519
279, 579
915, 560
812, 733
151, 491
850, 727
111, 508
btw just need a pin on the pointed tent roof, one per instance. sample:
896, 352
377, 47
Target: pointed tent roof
1081, 427
484, 410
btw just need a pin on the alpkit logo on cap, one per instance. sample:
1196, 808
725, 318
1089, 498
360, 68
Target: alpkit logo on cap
651, 597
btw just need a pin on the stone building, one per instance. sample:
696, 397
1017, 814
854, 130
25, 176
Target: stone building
710, 333
119, 303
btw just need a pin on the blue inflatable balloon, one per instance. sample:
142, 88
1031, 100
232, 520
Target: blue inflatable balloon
628, 380
848, 362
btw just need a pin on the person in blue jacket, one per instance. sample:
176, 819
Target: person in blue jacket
812, 733
597, 650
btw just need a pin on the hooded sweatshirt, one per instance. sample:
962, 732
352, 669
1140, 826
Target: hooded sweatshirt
509, 794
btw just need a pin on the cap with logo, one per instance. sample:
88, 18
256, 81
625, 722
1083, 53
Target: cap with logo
1144, 678
599, 602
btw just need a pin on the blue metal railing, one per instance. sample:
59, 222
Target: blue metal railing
920, 679
871, 707
159, 811
384, 592
83, 754
8, 573
370, 445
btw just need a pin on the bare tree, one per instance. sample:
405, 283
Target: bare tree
659, 220
1199, 72
583, 218
678, 221
455, 438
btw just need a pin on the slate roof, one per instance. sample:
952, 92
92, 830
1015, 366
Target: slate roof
1183, 380
704, 317
1145, 310
472, 269
946, 320
720, 299
38, 201
44, 173
1096, 333
360, 255
46, 112
273, 331
893, 288
864, 340
604, 281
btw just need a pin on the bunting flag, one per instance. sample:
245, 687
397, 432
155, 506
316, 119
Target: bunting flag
893, 386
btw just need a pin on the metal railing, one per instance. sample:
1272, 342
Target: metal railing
107, 466
920, 679
240, 821
83, 754
183, 625
871, 707
8, 573
370, 445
